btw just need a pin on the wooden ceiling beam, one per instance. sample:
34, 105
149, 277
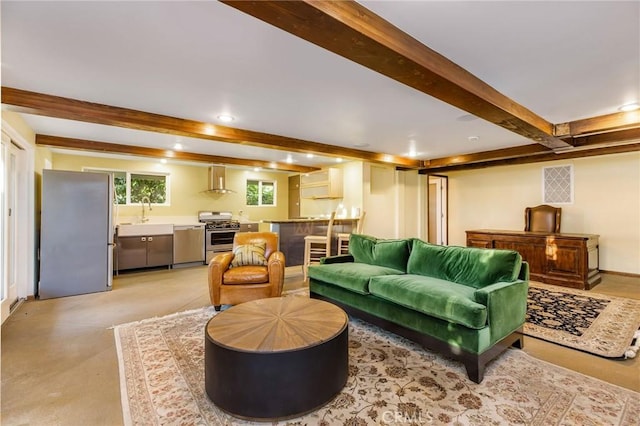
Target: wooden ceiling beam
104, 147
72, 109
549, 156
581, 145
354, 32
599, 124
614, 137
477, 157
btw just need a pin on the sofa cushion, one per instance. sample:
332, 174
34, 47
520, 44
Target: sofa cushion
389, 253
432, 296
471, 266
350, 276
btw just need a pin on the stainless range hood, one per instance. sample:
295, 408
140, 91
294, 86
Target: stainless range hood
218, 180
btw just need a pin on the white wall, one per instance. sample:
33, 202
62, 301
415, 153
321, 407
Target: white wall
606, 202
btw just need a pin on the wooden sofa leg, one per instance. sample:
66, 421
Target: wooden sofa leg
519, 344
475, 370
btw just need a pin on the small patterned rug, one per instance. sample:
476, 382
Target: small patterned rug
584, 320
391, 381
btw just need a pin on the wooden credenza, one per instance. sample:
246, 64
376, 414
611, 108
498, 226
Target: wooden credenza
568, 260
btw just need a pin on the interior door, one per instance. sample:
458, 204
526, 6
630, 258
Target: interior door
8, 228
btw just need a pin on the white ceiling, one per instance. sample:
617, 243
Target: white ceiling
563, 60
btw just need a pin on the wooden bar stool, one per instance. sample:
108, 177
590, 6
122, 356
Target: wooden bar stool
343, 237
317, 246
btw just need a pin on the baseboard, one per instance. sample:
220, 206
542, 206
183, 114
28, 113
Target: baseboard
622, 274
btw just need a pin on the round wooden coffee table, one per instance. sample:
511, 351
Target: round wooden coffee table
276, 358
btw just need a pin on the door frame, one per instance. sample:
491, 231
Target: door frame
442, 206
25, 255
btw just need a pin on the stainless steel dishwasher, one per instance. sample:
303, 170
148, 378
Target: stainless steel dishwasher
188, 244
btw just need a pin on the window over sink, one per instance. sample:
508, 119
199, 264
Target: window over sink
132, 187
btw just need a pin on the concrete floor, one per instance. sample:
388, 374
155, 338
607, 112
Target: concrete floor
59, 364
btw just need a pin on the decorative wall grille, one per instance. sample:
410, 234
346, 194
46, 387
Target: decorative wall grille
557, 184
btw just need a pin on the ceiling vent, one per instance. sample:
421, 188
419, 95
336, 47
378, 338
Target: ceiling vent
218, 180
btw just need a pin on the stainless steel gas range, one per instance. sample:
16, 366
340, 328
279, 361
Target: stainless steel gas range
220, 229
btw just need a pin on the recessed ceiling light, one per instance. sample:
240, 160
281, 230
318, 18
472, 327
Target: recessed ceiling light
177, 147
629, 107
163, 161
412, 153
289, 159
256, 169
338, 160
473, 139
225, 118
309, 155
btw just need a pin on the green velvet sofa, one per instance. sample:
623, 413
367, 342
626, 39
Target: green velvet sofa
467, 303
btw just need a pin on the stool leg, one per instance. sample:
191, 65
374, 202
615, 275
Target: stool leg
307, 259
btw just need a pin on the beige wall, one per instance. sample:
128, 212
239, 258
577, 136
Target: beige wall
606, 202
380, 200
20, 126
188, 185
412, 205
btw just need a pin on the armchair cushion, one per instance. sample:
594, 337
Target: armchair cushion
249, 255
250, 274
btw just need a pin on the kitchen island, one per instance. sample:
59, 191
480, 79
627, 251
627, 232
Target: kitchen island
293, 231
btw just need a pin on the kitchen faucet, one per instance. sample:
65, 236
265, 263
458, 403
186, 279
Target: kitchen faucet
142, 201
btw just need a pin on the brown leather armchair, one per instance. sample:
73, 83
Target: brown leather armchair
234, 285
543, 218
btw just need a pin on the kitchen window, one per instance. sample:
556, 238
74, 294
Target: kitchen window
132, 187
261, 193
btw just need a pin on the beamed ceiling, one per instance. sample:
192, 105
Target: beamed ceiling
312, 82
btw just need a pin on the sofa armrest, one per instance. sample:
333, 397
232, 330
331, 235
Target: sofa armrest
341, 258
275, 267
217, 267
506, 306
524, 272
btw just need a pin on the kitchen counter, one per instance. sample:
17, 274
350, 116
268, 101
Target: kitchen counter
293, 231
313, 219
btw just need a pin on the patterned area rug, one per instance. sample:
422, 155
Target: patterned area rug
584, 320
391, 381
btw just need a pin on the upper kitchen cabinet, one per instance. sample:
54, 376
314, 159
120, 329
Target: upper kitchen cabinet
323, 184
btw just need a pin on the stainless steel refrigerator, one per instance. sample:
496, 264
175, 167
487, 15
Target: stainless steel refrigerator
76, 239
